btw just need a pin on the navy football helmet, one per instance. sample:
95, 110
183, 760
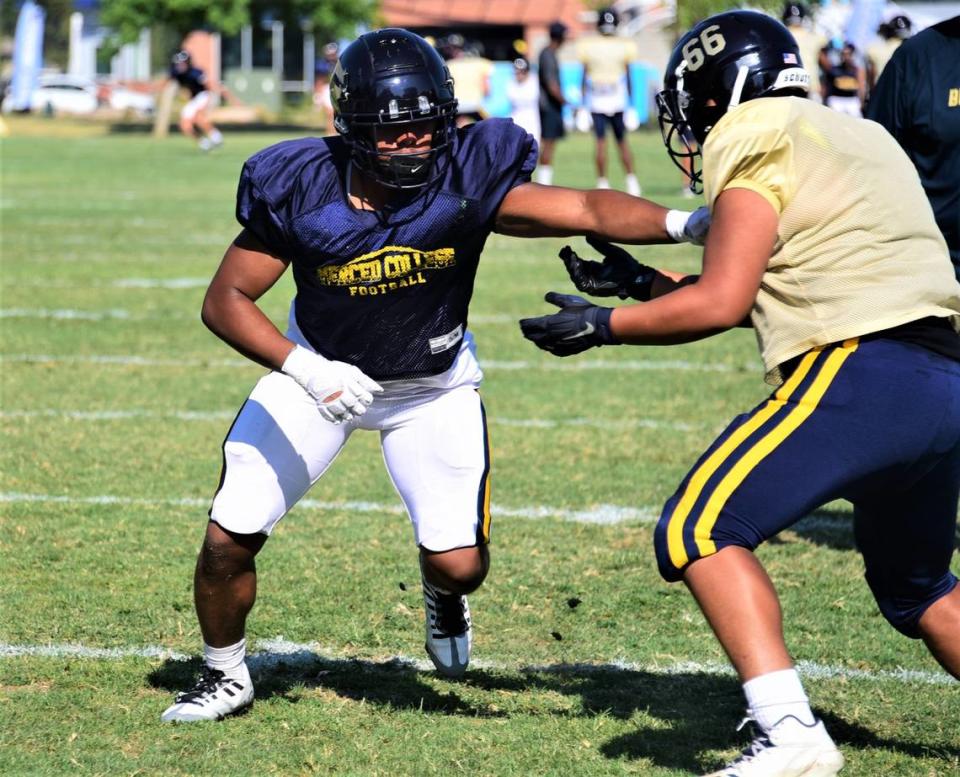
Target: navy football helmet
721, 62
393, 77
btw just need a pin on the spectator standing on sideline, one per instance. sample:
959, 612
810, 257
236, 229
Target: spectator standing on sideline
523, 94
890, 35
551, 102
844, 83
471, 75
194, 117
822, 235
918, 100
606, 60
321, 84
797, 18
383, 227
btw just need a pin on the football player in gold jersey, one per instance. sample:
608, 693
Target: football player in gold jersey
823, 238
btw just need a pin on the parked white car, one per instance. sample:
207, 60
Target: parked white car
61, 93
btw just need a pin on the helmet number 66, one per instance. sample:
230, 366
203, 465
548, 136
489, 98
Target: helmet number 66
696, 50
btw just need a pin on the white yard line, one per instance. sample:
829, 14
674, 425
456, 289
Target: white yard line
556, 365
603, 514
599, 514
301, 656
227, 415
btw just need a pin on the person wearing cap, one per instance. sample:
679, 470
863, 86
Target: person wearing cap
551, 102
890, 35
471, 75
524, 96
606, 59
796, 18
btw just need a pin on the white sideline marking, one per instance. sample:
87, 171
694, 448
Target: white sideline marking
297, 656
226, 415
600, 514
603, 514
79, 315
161, 283
556, 365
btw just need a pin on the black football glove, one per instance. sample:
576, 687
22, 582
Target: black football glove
619, 274
577, 326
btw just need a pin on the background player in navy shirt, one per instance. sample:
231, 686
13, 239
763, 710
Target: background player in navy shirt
383, 226
194, 117
918, 100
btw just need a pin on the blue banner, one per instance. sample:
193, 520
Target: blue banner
27, 55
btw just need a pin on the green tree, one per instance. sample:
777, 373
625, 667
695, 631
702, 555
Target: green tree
331, 18
689, 12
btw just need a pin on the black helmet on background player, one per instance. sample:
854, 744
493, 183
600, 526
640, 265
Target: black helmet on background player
794, 14
181, 59
393, 77
607, 21
899, 26
721, 62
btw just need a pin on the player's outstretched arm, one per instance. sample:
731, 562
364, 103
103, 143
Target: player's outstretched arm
532, 210
736, 255
246, 272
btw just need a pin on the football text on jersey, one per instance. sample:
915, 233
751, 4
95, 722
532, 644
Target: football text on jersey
386, 270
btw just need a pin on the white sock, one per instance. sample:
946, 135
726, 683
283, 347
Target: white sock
633, 185
773, 696
215, 136
603, 183
228, 660
544, 175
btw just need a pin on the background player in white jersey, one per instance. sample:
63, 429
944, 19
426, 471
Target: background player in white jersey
823, 236
523, 92
383, 227
606, 59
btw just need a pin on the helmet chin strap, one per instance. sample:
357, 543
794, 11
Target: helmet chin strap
737, 91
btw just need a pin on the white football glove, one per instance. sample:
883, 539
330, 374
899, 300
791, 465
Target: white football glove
686, 227
341, 391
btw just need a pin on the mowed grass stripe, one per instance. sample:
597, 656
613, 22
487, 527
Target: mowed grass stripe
300, 656
602, 514
129, 360
228, 415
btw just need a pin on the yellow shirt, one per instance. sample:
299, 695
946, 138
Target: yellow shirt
470, 81
606, 57
879, 54
857, 250
810, 44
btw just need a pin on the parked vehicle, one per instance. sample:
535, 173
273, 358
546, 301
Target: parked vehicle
61, 93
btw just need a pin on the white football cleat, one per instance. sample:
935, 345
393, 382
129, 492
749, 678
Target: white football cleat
449, 630
214, 697
789, 749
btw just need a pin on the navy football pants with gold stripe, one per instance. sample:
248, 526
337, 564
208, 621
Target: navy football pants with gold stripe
876, 422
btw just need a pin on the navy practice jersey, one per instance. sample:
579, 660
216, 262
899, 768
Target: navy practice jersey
386, 291
918, 100
192, 78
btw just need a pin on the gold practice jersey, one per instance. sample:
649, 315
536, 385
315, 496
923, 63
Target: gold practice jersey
858, 250
879, 54
810, 44
606, 57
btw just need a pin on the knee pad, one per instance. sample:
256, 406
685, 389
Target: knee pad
903, 603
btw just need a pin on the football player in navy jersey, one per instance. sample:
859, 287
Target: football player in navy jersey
194, 120
383, 226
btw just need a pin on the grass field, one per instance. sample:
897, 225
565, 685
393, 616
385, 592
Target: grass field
115, 400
